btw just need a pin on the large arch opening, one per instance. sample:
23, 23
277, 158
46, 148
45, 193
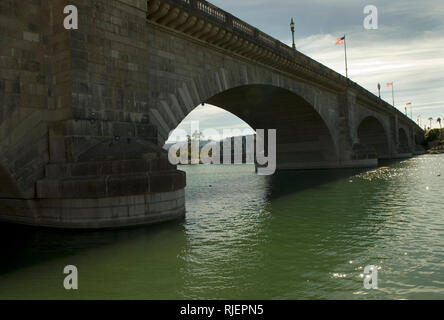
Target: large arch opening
303, 138
371, 133
403, 141
208, 124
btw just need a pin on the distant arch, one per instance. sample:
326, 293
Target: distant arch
371, 133
404, 144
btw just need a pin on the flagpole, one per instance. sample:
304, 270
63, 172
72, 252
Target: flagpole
345, 50
393, 94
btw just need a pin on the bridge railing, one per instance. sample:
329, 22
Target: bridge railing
237, 26
243, 27
210, 9
267, 39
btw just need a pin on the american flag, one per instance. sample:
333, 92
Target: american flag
340, 40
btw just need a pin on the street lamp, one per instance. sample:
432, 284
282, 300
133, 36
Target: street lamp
292, 32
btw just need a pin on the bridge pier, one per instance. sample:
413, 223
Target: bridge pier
97, 178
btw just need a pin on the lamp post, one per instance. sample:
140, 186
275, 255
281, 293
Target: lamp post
292, 32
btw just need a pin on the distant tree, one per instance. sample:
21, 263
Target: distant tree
430, 119
431, 137
440, 127
189, 147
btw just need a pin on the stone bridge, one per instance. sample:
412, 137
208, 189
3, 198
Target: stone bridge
84, 113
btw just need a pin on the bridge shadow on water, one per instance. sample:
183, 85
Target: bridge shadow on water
291, 181
288, 182
23, 246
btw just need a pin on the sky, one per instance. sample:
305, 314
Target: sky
406, 49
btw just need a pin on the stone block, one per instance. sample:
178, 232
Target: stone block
127, 185
161, 183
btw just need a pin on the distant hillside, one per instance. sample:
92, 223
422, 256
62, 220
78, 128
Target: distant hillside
202, 143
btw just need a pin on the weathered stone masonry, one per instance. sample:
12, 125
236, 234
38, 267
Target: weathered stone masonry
76, 152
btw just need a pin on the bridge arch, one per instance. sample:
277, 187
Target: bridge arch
404, 141
371, 132
220, 75
304, 138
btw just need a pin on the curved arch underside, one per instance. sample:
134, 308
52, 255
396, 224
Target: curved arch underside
372, 134
303, 139
404, 146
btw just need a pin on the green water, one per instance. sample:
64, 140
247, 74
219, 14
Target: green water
297, 235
